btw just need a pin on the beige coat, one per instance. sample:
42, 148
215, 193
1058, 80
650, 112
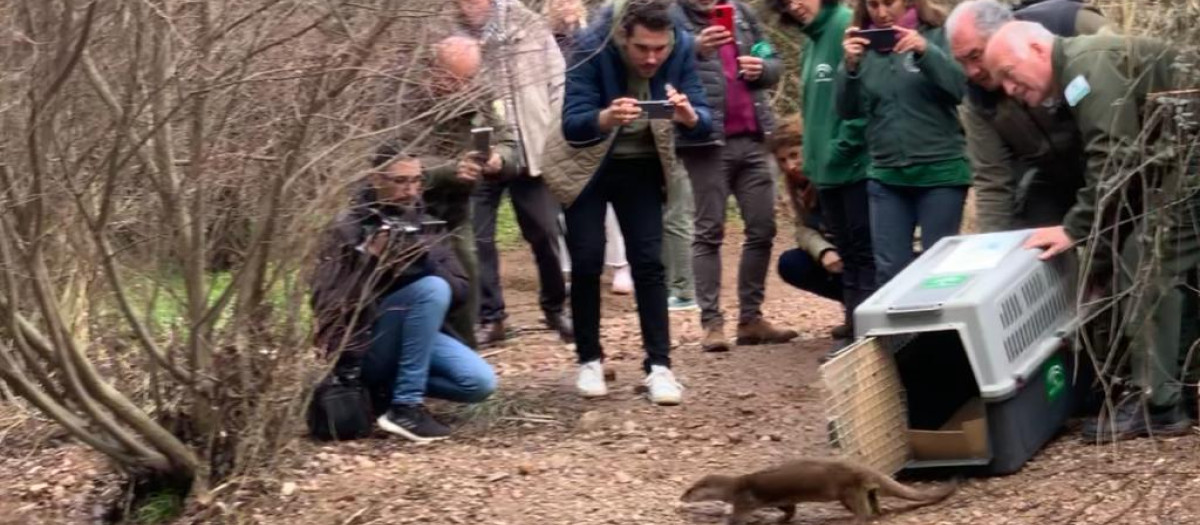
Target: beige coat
568, 169
536, 75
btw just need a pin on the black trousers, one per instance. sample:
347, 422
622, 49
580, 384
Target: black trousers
635, 189
537, 214
797, 268
847, 215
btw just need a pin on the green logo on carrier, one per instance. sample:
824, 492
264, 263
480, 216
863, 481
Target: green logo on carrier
945, 281
1056, 378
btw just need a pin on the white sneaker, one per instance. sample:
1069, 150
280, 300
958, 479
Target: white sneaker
622, 283
664, 389
591, 380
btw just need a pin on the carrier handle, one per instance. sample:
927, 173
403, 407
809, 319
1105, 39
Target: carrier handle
915, 309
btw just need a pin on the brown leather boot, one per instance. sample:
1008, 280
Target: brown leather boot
714, 338
760, 332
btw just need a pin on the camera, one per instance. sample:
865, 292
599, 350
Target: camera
400, 229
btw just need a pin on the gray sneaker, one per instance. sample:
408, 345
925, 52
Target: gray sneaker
676, 304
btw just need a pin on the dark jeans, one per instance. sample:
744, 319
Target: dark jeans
847, 214
797, 268
740, 168
536, 211
897, 210
635, 189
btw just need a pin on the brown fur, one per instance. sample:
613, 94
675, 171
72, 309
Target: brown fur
782, 487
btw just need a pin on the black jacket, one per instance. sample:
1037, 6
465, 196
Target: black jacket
348, 283
748, 33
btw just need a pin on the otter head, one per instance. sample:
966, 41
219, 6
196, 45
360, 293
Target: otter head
710, 488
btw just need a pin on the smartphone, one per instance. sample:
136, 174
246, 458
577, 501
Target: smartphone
722, 15
481, 141
656, 109
433, 226
882, 40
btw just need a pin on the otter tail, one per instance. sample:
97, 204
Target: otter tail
891, 487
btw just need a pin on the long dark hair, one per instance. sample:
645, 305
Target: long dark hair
928, 13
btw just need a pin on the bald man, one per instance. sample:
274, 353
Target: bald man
1106, 81
431, 110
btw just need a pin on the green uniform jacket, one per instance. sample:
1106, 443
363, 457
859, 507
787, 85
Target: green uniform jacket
1010, 144
1119, 73
910, 104
835, 152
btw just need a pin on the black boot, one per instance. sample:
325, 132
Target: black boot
561, 322
1135, 418
843, 331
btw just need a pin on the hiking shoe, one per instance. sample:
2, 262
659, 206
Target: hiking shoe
591, 380
414, 423
561, 322
490, 334
714, 339
760, 332
676, 304
842, 331
664, 390
1135, 418
622, 283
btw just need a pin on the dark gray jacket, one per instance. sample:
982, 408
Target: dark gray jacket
748, 33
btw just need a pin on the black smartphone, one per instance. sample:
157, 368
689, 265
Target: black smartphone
882, 40
481, 141
656, 109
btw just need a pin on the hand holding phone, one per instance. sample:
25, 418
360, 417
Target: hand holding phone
853, 47
619, 112
711, 39
909, 40
683, 112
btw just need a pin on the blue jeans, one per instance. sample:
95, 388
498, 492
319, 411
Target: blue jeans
897, 210
407, 339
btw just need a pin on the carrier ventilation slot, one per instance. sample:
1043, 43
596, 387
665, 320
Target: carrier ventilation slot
1033, 289
1010, 310
1024, 337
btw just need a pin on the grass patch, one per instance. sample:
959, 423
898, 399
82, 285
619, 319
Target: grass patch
508, 233
161, 301
159, 507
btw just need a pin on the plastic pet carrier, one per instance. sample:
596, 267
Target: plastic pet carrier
962, 361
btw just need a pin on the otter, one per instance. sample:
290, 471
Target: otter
784, 486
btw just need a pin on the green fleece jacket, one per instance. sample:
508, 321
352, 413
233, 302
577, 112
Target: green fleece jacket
910, 103
835, 153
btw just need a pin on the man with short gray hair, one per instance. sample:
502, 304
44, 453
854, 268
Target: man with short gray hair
1027, 162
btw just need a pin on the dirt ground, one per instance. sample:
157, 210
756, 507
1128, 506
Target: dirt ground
538, 455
